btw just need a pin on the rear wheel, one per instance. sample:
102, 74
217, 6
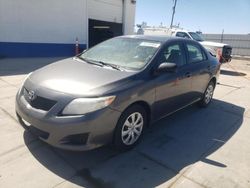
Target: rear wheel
208, 95
130, 127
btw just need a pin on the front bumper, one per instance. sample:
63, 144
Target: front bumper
82, 132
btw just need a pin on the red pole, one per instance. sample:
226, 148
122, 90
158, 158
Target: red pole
77, 46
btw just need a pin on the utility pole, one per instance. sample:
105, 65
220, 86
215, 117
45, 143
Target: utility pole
221, 38
171, 25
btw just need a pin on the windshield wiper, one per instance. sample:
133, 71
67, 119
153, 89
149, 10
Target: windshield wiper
88, 61
110, 65
99, 63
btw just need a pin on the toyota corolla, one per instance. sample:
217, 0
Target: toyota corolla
114, 90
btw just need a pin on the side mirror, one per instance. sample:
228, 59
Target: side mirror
166, 67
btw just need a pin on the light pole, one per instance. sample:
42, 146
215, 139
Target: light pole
175, 1
221, 38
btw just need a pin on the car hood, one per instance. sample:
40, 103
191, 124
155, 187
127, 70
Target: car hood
214, 44
75, 77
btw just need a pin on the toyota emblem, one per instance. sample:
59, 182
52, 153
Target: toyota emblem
31, 95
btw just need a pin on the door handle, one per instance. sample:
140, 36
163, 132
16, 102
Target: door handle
188, 74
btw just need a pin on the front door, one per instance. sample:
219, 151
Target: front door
172, 88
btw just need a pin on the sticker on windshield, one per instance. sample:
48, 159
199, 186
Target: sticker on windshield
150, 44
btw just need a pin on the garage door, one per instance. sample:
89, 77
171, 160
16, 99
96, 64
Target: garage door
102, 30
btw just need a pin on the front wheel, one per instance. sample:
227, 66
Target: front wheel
208, 95
130, 127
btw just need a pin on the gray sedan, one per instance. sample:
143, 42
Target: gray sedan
114, 90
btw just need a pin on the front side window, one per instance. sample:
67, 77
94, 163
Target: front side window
173, 54
196, 36
129, 53
195, 53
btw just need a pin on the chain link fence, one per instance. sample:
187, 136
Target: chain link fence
239, 43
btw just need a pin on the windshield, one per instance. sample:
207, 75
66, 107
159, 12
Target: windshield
196, 36
128, 53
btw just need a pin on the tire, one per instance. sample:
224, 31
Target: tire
129, 131
208, 95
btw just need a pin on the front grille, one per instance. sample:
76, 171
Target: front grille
39, 102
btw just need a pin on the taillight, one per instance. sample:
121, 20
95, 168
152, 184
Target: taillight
219, 55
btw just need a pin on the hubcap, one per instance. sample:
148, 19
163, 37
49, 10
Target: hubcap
209, 93
132, 128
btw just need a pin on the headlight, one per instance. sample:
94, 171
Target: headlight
86, 105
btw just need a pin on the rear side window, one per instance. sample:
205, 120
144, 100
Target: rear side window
195, 53
182, 34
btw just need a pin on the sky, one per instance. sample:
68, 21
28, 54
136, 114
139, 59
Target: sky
208, 16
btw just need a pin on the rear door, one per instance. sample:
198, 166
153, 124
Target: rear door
199, 68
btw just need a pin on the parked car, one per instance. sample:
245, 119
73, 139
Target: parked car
220, 50
113, 91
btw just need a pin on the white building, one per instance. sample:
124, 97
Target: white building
50, 27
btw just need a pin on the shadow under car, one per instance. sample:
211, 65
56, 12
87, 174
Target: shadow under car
172, 144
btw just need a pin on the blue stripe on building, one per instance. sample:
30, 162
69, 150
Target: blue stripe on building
16, 49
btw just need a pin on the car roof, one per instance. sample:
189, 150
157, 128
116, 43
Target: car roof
159, 38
